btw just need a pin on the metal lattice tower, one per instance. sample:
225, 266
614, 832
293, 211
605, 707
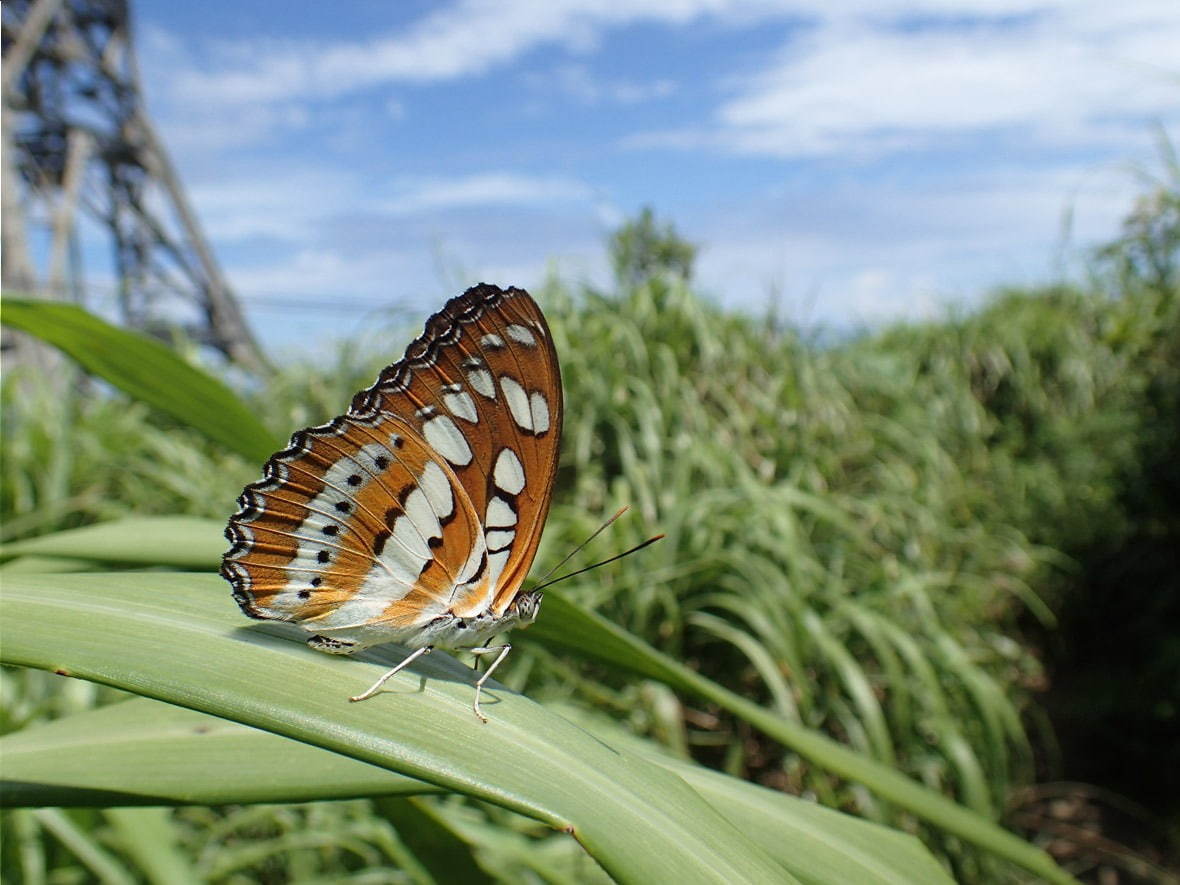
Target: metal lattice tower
77, 137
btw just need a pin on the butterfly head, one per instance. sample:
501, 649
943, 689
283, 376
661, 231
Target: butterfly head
525, 607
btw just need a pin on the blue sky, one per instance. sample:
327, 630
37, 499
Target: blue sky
860, 161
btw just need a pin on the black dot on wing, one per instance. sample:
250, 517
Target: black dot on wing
330, 529
435, 542
398, 442
315, 582
323, 556
343, 506
381, 461
354, 480
304, 594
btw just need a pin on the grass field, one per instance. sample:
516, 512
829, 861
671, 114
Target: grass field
887, 540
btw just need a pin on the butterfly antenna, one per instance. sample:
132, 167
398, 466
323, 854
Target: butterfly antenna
634, 549
598, 531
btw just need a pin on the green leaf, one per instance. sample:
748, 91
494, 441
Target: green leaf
142, 751
564, 625
176, 637
445, 854
149, 837
101, 864
41, 564
145, 370
817, 844
186, 542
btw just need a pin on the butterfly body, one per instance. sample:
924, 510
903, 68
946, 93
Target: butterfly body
414, 517
446, 631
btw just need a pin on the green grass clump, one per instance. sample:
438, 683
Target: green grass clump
75, 455
821, 556
870, 539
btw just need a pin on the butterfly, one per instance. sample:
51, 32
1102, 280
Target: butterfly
415, 516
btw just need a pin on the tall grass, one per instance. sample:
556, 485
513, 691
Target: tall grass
857, 537
822, 554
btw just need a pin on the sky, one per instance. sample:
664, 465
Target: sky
857, 162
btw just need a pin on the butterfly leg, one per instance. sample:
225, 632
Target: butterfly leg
376, 686
483, 650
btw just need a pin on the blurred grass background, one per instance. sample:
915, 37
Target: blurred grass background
951, 545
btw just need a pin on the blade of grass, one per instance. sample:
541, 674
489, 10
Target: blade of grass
127, 759
145, 370
176, 637
142, 752
185, 542
148, 836
564, 625
445, 854
104, 866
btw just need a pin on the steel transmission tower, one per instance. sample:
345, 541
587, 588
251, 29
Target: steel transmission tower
77, 138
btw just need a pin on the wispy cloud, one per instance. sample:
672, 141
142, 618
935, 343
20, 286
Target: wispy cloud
1080, 73
284, 202
933, 144
578, 82
466, 38
860, 77
862, 251
296, 203
484, 189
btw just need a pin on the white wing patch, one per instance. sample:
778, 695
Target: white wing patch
448, 440
461, 406
521, 335
438, 490
500, 514
508, 474
518, 402
539, 407
481, 380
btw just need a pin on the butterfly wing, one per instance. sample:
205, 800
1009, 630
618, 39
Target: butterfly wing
483, 385
357, 523
428, 497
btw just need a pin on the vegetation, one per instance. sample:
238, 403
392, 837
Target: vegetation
879, 541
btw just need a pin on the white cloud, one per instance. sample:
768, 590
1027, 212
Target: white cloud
852, 83
464, 39
1078, 74
317, 272
282, 201
578, 82
872, 250
196, 126
296, 203
859, 77
484, 189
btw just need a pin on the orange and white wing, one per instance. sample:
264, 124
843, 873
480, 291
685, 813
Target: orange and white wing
427, 498
358, 523
483, 386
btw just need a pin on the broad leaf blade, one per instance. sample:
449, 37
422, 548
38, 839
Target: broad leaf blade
817, 844
566, 626
146, 751
185, 542
145, 370
174, 637
143, 752
435, 845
